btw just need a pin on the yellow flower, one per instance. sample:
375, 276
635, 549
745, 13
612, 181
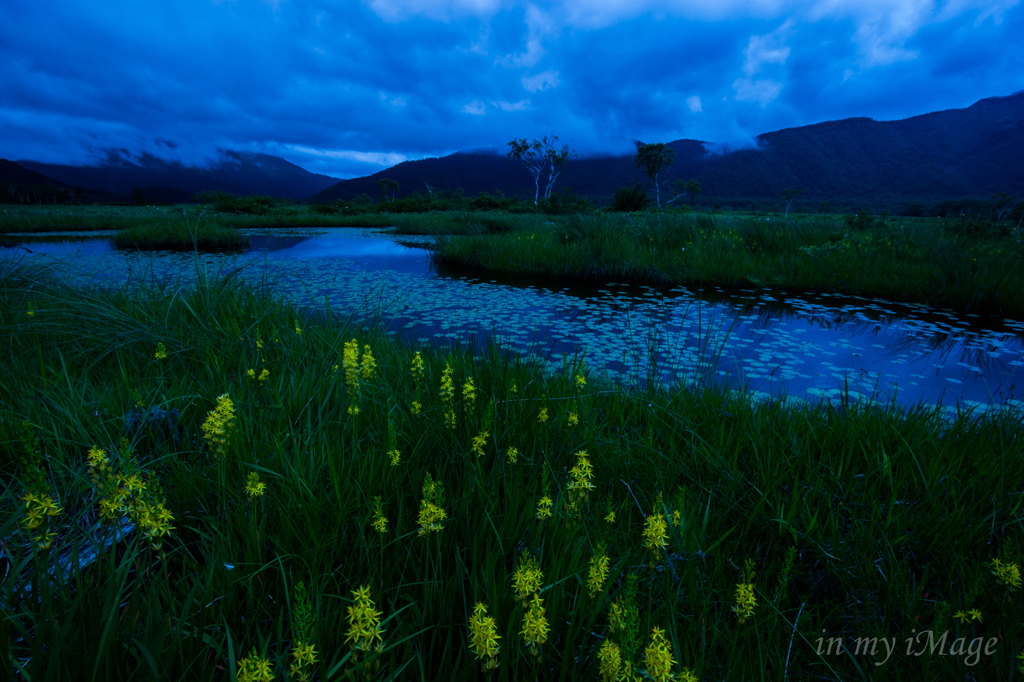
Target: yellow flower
298, 330
961, 615
252, 373
431, 511
416, 407
597, 574
535, 625
655, 533
687, 676
528, 577
745, 601
254, 669
264, 374
544, 508
580, 381
515, 389
161, 352
512, 454
30, 312
447, 393
468, 394
610, 518
417, 367
366, 369
676, 518
253, 486
1007, 574
573, 419
483, 636
350, 361
479, 442
363, 621
659, 656
218, 424
353, 409
543, 415
380, 522
610, 661
395, 455
582, 473
975, 614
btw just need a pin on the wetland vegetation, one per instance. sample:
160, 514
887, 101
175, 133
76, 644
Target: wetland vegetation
246, 491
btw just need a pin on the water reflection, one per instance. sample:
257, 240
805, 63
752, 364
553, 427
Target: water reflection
773, 342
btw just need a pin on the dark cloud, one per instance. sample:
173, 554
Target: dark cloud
347, 88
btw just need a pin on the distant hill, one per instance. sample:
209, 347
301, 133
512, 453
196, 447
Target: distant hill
857, 162
236, 172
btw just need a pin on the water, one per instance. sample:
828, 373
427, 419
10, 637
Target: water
810, 347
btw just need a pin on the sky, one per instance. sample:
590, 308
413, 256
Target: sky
350, 87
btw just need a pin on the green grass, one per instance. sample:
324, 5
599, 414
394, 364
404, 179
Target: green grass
891, 520
935, 262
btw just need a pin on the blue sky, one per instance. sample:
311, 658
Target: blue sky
348, 88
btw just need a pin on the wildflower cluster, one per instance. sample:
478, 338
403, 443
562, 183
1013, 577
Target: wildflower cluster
535, 626
468, 396
479, 441
39, 505
253, 486
624, 621
580, 485
745, 599
254, 668
143, 501
380, 522
511, 455
432, 512
262, 376
447, 393
656, 531
598, 571
1007, 573
545, 503
219, 423
609, 661
356, 371
527, 578
303, 651
364, 627
417, 377
394, 456
161, 352
659, 656
483, 637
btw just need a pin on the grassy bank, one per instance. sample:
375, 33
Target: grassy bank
736, 536
966, 266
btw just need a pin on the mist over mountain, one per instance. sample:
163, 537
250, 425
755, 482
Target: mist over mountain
858, 162
239, 173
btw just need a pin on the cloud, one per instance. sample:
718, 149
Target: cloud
521, 105
476, 108
322, 82
760, 91
542, 81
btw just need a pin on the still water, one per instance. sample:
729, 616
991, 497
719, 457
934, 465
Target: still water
809, 347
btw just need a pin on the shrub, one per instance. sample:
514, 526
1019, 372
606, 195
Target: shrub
630, 198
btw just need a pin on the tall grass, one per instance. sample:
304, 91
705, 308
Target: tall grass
843, 523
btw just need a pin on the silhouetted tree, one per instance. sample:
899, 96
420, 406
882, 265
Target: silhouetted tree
691, 187
630, 198
788, 195
654, 158
538, 155
385, 185
1004, 203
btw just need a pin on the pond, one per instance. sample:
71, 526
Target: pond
809, 347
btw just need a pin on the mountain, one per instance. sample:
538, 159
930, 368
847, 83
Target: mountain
239, 173
967, 153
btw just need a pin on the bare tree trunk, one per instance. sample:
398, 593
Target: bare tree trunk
657, 191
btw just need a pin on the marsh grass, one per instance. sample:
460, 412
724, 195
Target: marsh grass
859, 522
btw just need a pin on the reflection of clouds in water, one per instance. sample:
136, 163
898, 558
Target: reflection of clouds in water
770, 342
